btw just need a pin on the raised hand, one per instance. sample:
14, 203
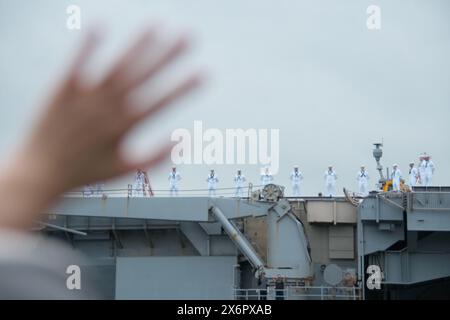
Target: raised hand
77, 139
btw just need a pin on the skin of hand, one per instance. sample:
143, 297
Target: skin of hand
77, 139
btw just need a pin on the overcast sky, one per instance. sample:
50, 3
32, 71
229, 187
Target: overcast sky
311, 69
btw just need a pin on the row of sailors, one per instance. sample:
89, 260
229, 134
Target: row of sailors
422, 175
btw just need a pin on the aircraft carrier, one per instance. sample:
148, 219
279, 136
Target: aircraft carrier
388, 245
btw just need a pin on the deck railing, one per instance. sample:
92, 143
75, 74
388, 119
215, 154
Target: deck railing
299, 293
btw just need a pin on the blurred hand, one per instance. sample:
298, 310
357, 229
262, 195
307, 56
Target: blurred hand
78, 137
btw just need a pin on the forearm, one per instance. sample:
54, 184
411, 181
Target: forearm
26, 189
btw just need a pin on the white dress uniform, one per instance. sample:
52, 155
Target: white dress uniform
363, 182
139, 184
266, 178
396, 176
239, 181
296, 177
212, 184
99, 187
88, 190
426, 172
174, 178
413, 177
330, 177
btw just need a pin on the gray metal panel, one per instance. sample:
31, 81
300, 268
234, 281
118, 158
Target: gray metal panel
222, 246
407, 268
430, 200
435, 242
197, 236
375, 239
159, 208
330, 212
341, 242
180, 209
432, 189
211, 228
107, 223
429, 211
285, 236
385, 207
175, 277
103, 272
429, 221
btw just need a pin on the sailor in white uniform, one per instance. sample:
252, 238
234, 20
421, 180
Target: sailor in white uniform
396, 177
296, 177
212, 180
266, 177
330, 177
99, 188
413, 175
139, 184
239, 181
362, 176
421, 170
427, 168
174, 178
88, 190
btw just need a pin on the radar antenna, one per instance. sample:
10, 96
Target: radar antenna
377, 154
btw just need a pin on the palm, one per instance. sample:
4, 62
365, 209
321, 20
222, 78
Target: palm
84, 125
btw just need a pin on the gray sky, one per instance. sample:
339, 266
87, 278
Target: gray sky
309, 68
